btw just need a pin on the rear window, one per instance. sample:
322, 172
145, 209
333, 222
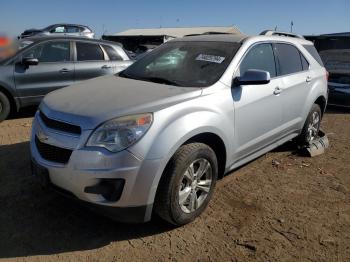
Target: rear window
312, 50
288, 59
89, 52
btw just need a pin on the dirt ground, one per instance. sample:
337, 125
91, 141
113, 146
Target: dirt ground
280, 207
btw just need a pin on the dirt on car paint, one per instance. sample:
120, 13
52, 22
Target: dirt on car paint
280, 207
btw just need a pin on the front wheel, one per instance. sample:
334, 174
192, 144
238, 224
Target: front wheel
187, 184
311, 126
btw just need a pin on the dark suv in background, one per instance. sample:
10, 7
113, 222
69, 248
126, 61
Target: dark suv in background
334, 50
51, 63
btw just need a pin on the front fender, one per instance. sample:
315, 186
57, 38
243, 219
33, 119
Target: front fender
165, 137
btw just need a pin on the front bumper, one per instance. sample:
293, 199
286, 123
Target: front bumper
87, 167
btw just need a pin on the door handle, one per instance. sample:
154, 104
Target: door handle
277, 91
308, 79
106, 67
64, 70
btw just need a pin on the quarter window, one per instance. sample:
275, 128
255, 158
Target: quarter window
288, 59
89, 52
50, 52
112, 53
260, 57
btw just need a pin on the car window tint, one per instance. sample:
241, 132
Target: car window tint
304, 62
112, 53
312, 50
288, 59
73, 29
259, 57
50, 52
89, 52
58, 29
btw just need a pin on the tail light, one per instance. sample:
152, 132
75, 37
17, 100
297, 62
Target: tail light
327, 76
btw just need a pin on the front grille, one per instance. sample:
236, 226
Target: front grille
53, 153
58, 125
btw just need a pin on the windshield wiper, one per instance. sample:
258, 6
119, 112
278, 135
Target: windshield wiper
161, 80
154, 79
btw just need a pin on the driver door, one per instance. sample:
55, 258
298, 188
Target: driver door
54, 70
258, 109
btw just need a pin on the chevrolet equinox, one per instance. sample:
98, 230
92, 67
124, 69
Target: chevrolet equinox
156, 137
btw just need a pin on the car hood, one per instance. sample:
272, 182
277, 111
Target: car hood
92, 102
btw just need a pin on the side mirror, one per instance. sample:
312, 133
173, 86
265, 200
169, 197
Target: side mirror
30, 61
253, 77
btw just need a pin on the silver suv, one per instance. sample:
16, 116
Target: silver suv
158, 135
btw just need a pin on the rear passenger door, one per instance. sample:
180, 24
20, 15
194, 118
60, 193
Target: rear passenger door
90, 61
293, 70
118, 59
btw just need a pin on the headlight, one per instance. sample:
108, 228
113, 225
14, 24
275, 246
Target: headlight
120, 133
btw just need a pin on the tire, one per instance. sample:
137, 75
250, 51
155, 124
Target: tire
5, 107
311, 126
176, 181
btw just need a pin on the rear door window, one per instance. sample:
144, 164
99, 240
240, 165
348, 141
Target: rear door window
259, 57
73, 29
304, 62
288, 59
89, 52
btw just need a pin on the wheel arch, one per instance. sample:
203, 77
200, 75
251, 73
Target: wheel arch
214, 142
322, 102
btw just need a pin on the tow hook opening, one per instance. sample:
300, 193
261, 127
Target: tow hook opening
110, 189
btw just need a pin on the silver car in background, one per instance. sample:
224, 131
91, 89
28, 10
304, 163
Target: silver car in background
158, 135
59, 30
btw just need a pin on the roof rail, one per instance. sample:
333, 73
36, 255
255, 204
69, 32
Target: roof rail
271, 33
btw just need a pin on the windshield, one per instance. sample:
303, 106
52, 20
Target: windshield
184, 63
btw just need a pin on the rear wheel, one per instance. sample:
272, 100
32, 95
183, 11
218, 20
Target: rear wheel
187, 184
311, 126
5, 106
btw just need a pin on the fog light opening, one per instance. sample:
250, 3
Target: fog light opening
110, 189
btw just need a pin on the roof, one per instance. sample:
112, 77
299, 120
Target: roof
233, 38
67, 24
179, 31
41, 39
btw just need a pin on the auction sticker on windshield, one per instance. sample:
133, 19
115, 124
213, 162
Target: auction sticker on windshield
210, 58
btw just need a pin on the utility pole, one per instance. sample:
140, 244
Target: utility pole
291, 26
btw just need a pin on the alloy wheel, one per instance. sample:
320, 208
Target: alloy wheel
313, 127
195, 185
